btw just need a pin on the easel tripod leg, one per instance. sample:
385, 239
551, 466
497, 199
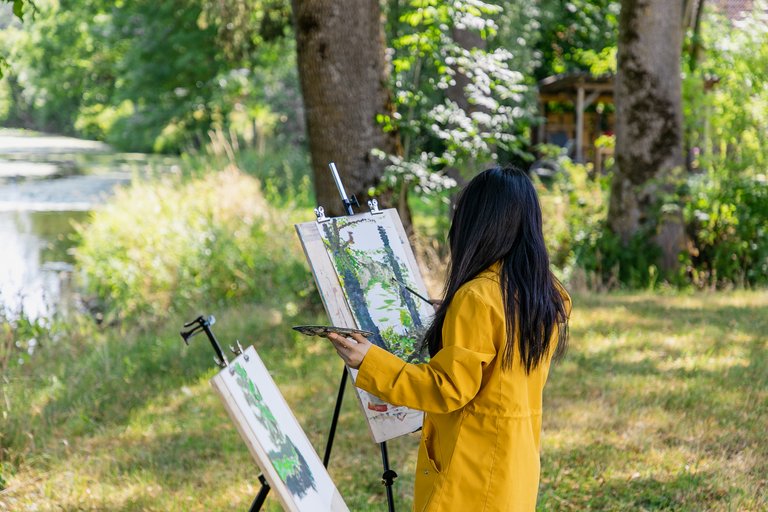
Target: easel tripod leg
261, 497
388, 477
335, 420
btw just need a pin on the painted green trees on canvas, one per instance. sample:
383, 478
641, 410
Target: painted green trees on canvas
286, 459
375, 279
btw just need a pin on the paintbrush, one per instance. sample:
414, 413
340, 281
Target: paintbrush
396, 280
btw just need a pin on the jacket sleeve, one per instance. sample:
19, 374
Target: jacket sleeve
451, 378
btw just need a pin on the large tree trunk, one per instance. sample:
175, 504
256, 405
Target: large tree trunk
343, 73
649, 123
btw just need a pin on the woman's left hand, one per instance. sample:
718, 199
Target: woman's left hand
352, 351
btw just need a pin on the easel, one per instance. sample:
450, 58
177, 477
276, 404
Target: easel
203, 324
388, 476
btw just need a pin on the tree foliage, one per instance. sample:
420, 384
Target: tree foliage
458, 101
733, 72
18, 9
149, 76
575, 34
726, 199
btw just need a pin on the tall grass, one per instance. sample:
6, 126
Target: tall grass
282, 168
175, 245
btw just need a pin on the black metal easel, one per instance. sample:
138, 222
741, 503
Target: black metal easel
203, 324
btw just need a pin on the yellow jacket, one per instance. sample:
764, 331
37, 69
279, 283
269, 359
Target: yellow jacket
479, 447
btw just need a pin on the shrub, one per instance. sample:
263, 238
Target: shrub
583, 250
727, 223
174, 245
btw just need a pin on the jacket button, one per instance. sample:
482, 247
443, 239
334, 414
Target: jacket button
426, 472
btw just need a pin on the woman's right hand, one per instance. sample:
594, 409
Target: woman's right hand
352, 351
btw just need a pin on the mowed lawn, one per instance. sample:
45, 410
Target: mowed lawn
660, 404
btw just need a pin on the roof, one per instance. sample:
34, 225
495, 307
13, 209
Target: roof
734, 9
569, 82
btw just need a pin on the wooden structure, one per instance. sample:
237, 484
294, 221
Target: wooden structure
573, 125
734, 9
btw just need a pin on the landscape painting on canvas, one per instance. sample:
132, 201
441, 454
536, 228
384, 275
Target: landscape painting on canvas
375, 279
274, 437
364, 267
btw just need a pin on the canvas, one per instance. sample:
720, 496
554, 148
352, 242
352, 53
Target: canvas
274, 437
364, 267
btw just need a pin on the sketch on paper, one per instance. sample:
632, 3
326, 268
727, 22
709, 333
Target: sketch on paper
375, 279
274, 437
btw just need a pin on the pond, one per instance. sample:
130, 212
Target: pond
47, 184
35, 262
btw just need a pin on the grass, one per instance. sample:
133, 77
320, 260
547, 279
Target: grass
661, 404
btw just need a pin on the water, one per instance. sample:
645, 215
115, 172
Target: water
48, 183
35, 261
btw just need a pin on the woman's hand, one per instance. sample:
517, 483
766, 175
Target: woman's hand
352, 351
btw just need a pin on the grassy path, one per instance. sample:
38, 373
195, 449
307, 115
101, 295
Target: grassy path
661, 404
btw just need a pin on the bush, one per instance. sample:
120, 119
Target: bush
583, 250
727, 223
176, 245
725, 218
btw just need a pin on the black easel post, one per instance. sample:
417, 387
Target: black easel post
347, 202
261, 497
388, 477
335, 420
340, 396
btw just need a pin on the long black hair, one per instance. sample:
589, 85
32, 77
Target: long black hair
498, 219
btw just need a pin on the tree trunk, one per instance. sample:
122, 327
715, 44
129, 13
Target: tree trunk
343, 74
649, 124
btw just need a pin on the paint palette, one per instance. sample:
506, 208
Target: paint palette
324, 330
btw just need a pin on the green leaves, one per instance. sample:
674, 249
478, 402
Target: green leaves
582, 29
458, 100
148, 76
18, 11
18, 8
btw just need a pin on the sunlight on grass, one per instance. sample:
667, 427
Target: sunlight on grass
660, 404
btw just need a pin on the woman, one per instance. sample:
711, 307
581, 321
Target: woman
503, 317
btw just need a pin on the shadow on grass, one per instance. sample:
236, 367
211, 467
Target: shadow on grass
86, 389
733, 398
684, 492
658, 388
